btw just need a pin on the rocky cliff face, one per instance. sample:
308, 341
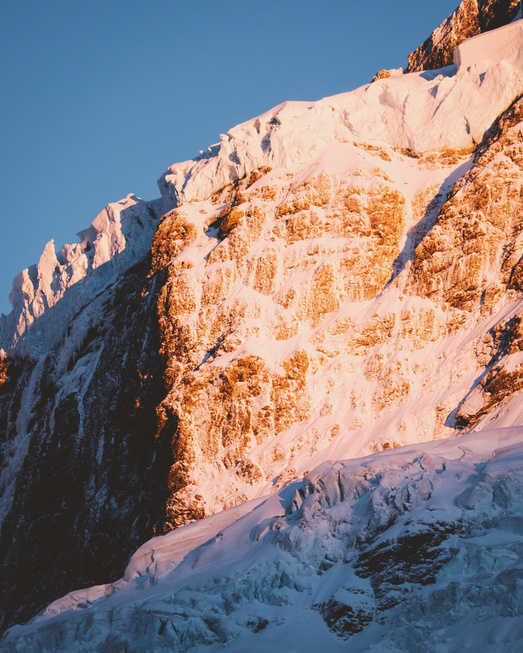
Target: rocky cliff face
83, 474
332, 280
471, 261
311, 308
266, 309
307, 324
471, 18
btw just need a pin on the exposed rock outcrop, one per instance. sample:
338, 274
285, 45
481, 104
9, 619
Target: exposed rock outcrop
334, 279
471, 256
347, 320
471, 18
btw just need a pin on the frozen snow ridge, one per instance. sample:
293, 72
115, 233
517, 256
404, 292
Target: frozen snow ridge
45, 296
450, 108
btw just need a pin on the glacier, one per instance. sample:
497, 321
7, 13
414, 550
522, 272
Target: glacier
415, 548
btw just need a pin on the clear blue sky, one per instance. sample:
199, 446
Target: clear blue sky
98, 97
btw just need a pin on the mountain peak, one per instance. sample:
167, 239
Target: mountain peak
300, 370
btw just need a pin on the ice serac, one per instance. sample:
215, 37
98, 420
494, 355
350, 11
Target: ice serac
399, 551
471, 18
46, 296
418, 112
334, 279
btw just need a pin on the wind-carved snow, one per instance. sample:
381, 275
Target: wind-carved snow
484, 50
446, 108
413, 549
118, 237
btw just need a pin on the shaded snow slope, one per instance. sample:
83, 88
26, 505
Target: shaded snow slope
82, 474
411, 549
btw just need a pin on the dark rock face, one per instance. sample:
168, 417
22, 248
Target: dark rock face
94, 445
394, 569
472, 17
342, 619
92, 482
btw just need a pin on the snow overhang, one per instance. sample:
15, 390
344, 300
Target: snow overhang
498, 45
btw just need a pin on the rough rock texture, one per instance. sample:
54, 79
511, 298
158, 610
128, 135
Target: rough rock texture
82, 472
334, 279
472, 17
301, 317
311, 312
272, 261
471, 260
472, 255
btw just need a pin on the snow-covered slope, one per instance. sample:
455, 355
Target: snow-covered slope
332, 280
419, 112
414, 549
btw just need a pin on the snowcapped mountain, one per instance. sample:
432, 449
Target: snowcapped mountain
322, 295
